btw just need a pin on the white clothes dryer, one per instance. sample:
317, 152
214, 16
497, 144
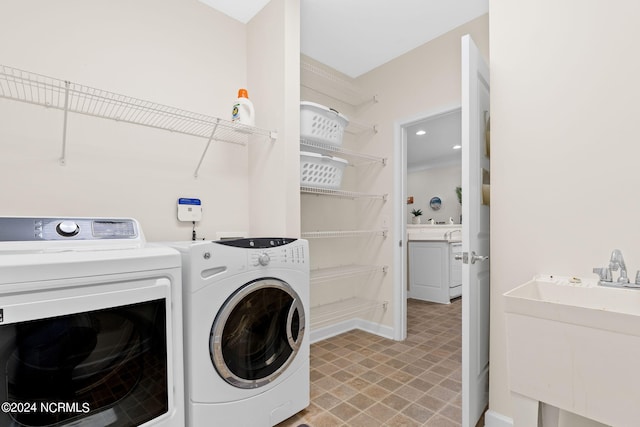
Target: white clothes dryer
90, 325
246, 305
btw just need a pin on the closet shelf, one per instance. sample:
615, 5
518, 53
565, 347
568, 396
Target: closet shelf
355, 157
337, 234
322, 81
357, 127
342, 194
326, 274
323, 315
64, 95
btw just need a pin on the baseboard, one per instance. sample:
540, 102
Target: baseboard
494, 419
321, 334
349, 325
375, 328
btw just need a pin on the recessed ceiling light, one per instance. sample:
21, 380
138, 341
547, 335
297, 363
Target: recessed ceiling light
421, 132
457, 147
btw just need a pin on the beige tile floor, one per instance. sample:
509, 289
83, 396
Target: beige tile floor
361, 379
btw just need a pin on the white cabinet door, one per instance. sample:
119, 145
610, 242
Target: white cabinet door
429, 271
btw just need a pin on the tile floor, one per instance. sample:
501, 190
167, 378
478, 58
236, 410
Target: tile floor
361, 379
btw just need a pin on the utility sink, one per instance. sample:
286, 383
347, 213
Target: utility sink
575, 345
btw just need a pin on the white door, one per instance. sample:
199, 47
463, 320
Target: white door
475, 234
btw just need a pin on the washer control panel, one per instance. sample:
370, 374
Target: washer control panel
258, 242
272, 251
285, 255
24, 229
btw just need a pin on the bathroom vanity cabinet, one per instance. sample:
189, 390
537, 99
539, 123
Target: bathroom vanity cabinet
434, 273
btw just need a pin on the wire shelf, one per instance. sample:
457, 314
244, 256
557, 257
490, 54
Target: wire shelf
342, 194
32, 88
355, 157
336, 87
358, 127
326, 274
337, 234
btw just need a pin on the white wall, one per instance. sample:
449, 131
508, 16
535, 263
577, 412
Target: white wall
274, 70
176, 52
440, 182
564, 102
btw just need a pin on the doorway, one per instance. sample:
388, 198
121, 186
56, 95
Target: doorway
430, 152
427, 148
475, 229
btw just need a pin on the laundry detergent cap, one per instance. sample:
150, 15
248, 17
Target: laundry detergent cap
242, 93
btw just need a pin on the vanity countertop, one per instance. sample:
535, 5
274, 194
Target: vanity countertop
433, 232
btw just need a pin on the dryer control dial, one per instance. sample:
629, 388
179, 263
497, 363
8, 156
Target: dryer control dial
68, 228
264, 259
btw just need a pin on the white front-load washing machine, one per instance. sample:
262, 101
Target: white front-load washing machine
246, 305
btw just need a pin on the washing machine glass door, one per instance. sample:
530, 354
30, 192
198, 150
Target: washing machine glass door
257, 333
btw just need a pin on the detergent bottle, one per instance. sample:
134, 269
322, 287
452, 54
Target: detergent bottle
243, 111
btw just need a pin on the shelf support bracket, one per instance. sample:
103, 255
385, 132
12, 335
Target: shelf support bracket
63, 158
209, 141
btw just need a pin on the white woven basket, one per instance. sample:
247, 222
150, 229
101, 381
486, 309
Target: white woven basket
321, 171
321, 124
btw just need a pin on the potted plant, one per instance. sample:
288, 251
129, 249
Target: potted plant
416, 216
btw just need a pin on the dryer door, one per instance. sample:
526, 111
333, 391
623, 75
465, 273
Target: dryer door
257, 333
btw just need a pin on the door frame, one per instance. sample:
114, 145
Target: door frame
400, 254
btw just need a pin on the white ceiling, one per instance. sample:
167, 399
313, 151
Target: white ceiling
435, 148
356, 36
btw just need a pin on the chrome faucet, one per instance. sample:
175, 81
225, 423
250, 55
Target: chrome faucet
449, 234
605, 275
617, 262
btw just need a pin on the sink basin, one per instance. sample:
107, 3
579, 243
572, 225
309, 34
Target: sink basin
578, 301
434, 232
576, 345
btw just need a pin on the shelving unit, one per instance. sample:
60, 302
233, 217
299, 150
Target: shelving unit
37, 89
321, 81
344, 281
357, 127
343, 233
354, 157
326, 274
342, 194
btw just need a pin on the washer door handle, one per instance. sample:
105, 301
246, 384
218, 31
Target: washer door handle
295, 306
